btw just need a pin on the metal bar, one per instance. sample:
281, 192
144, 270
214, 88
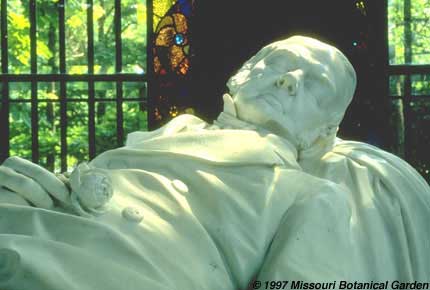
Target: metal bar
150, 64
119, 114
407, 111
34, 103
91, 90
33, 48
4, 122
408, 82
4, 108
118, 69
408, 69
383, 66
63, 87
78, 100
71, 77
118, 41
413, 98
104, 100
90, 35
4, 46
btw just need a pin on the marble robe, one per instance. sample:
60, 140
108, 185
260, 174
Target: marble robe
220, 207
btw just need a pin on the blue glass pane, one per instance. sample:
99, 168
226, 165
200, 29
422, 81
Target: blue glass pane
179, 39
185, 7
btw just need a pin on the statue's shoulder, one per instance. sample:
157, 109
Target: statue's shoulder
181, 123
381, 161
365, 151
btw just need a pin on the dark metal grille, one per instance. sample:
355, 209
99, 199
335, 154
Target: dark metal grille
415, 130
63, 78
408, 71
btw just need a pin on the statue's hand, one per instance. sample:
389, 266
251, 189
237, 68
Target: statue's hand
91, 190
24, 182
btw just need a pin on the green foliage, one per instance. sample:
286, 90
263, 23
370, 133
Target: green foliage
418, 29
409, 43
133, 29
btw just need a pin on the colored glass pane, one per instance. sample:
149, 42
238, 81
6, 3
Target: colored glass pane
184, 66
166, 21
176, 56
157, 114
186, 7
189, 111
361, 7
171, 40
157, 64
165, 37
160, 8
180, 22
187, 49
173, 111
179, 39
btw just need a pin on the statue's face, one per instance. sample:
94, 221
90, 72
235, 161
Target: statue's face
287, 91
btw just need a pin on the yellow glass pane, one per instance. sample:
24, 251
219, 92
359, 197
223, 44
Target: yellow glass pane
160, 8
176, 56
173, 111
181, 22
166, 21
190, 111
165, 37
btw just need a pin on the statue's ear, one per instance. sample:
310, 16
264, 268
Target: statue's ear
229, 106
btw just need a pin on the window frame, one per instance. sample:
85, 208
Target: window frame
408, 98
62, 77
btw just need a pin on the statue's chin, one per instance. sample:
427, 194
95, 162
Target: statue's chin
263, 114
258, 111
301, 139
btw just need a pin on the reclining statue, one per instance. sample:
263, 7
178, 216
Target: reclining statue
265, 193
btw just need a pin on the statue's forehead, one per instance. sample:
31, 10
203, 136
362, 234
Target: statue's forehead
297, 54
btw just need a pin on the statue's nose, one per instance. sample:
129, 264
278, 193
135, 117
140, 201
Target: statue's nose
290, 81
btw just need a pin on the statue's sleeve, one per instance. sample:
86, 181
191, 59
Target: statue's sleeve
313, 242
369, 223
179, 124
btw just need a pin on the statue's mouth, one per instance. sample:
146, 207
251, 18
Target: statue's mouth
273, 102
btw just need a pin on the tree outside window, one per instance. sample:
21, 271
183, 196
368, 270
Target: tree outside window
409, 81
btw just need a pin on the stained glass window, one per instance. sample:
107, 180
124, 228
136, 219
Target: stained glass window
172, 54
160, 8
172, 45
